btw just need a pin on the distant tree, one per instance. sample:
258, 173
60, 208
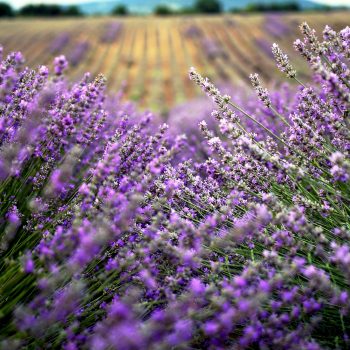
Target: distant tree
73, 11
327, 8
273, 7
49, 10
208, 6
120, 10
41, 10
187, 11
163, 10
6, 10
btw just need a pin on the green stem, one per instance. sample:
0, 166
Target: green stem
258, 123
299, 82
284, 120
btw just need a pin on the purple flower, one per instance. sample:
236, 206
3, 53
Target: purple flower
60, 64
115, 235
29, 265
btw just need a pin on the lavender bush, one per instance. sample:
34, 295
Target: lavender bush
264, 45
110, 240
212, 49
59, 43
111, 32
276, 26
193, 32
79, 52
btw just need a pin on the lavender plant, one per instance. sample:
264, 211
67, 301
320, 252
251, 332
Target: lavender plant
212, 49
79, 52
265, 46
59, 43
110, 240
276, 26
193, 31
111, 32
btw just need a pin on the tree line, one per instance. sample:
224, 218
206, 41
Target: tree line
44, 10
200, 6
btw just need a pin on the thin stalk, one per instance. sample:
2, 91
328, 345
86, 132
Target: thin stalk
299, 82
268, 130
258, 123
280, 116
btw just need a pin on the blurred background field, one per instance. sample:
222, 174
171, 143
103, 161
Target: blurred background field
150, 56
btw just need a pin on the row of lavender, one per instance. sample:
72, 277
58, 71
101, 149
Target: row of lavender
115, 235
78, 53
274, 26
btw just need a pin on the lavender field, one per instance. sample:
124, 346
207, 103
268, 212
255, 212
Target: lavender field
149, 56
226, 228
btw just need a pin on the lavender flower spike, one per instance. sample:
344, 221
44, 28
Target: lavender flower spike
263, 94
283, 62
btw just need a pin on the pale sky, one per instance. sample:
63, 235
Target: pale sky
334, 2
19, 3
